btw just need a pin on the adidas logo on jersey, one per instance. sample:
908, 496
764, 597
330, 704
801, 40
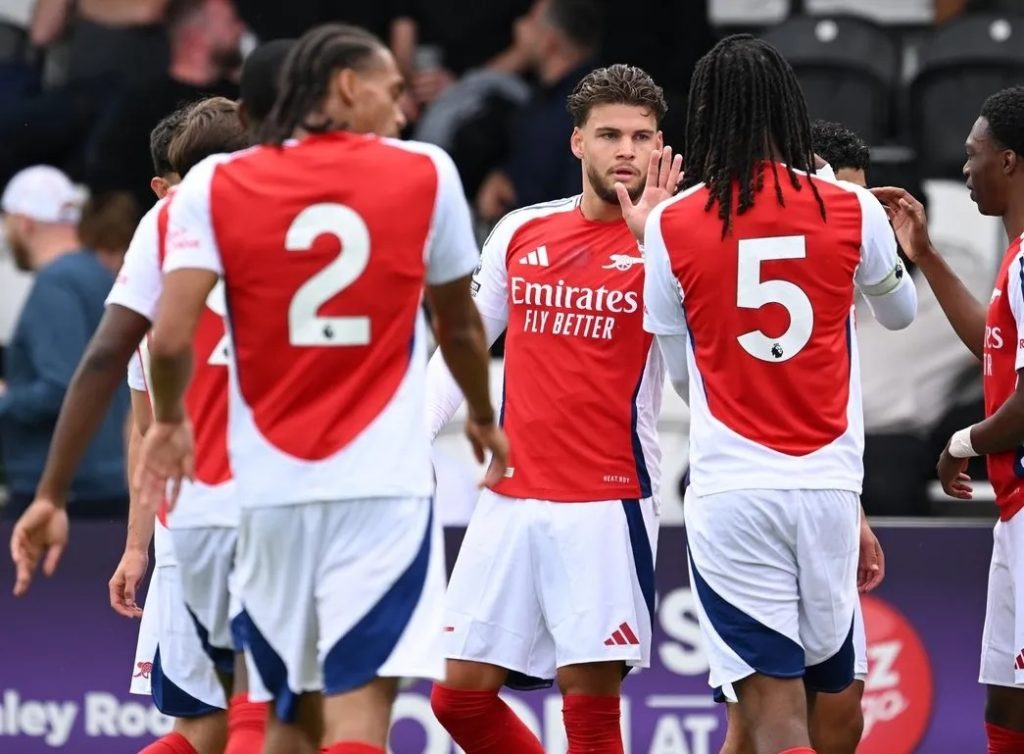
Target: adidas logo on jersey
537, 258
622, 262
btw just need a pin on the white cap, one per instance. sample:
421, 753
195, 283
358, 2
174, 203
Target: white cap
44, 194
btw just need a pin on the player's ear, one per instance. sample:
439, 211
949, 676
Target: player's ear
576, 143
347, 83
160, 186
1009, 161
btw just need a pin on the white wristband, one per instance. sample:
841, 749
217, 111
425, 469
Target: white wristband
960, 444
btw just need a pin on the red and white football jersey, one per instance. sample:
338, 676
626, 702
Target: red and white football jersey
775, 396
324, 246
583, 384
211, 500
1003, 357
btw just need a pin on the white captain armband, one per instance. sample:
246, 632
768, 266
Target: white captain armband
888, 283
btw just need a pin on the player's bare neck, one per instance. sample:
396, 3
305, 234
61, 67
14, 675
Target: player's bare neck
1013, 220
596, 209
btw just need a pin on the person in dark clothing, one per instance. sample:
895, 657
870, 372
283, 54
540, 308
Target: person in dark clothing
40, 207
205, 55
565, 37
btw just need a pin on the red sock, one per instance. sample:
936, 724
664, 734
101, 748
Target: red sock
481, 723
247, 722
592, 724
1003, 740
172, 743
351, 747
799, 750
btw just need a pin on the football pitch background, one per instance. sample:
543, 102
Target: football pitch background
66, 657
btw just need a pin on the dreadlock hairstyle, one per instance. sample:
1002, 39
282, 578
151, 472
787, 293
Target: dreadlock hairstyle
307, 74
746, 109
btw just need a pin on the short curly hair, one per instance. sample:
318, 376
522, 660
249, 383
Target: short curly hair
616, 85
1004, 112
839, 146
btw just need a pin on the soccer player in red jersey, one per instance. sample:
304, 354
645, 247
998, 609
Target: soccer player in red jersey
837, 720
171, 663
756, 262
324, 239
995, 334
555, 578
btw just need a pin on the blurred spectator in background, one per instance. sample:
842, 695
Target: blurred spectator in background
112, 40
205, 39
107, 225
64, 306
561, 38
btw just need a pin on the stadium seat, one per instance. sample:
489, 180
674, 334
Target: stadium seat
960, 64
846, 67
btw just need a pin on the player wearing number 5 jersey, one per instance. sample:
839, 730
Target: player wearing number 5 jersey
324, 239
757, 261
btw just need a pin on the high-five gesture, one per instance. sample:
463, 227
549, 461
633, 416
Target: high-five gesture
166, 456
663, 175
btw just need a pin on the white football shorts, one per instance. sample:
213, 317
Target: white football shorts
539, 585
335, 594
1002, 641
774, 575
170, 664
206, 558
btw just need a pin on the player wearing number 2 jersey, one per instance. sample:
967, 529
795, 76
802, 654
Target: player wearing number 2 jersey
555, 578
340, 561
757, 261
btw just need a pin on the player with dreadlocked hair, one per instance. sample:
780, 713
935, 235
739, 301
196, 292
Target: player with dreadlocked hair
756, 301
308, 217
746, 108
308, 75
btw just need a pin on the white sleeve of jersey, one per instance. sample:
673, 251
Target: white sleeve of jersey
1015, 290
452, 252
673, 352
663, 296
136, 375
139, 282
490, 282
443, 393
881, 277
191, 242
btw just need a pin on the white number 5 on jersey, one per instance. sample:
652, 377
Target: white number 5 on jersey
752, 293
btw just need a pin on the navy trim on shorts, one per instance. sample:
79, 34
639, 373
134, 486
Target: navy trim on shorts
238, 633
643, 556
356, 658
523, 682
836, 673
272, 670
223, 659
171, 699
642, 474
764, 649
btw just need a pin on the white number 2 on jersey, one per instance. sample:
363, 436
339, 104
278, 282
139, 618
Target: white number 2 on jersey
752, 293
216, 303
305, 327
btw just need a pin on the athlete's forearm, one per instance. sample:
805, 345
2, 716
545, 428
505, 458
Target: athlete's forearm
170, 372
965, 313
464, 348
443, 394
1004, 429
140, 524
92, 389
